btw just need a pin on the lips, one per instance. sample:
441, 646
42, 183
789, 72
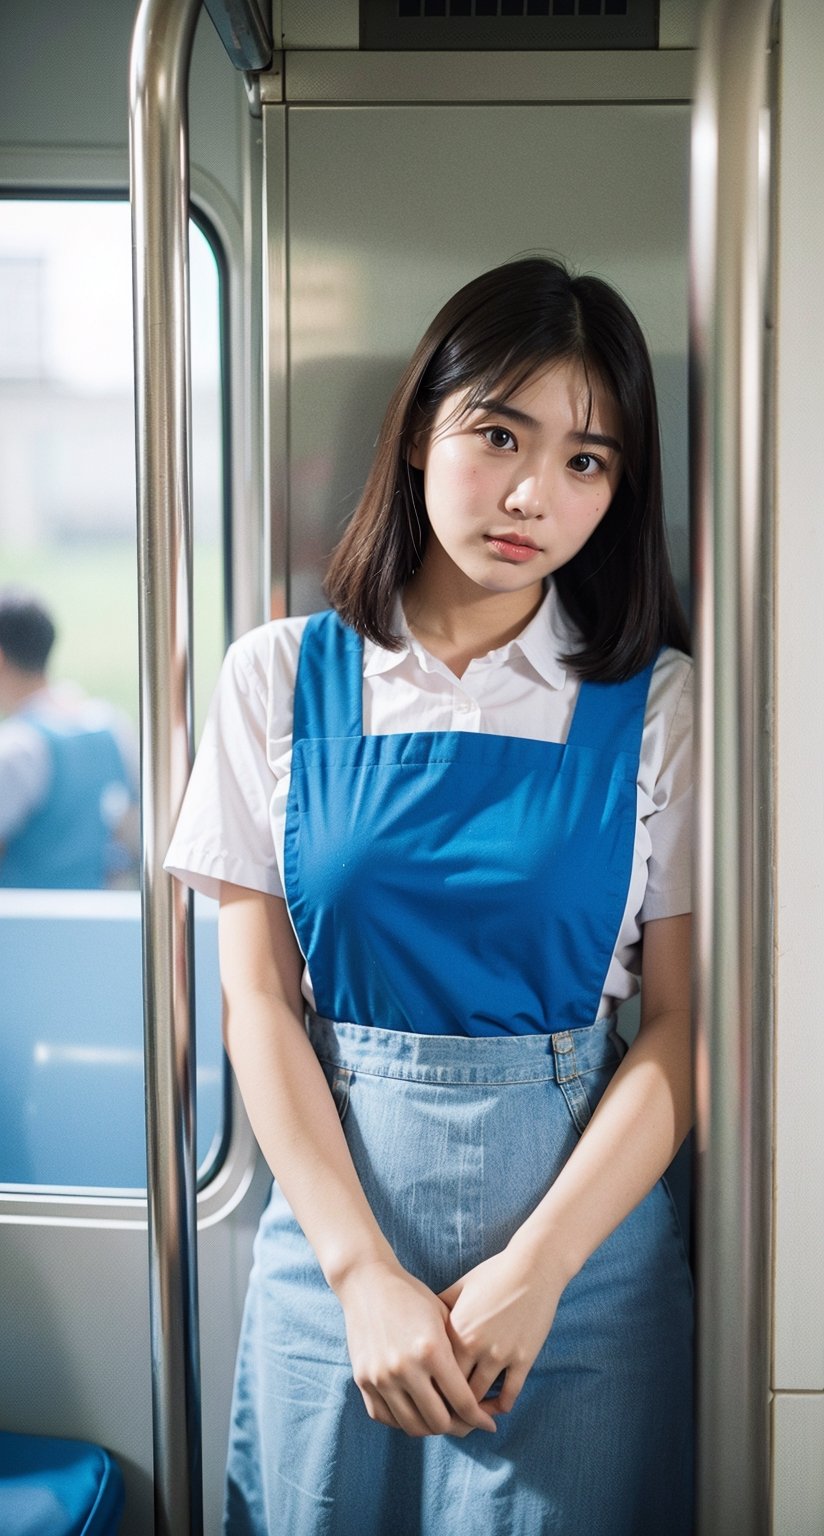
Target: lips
512, 548
512, 538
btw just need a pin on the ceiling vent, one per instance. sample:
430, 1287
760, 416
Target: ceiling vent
525, 24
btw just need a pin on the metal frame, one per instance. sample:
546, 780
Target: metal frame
161, 53
104, 173
321, 77
730, 261
276, 422
245, 30
733, 922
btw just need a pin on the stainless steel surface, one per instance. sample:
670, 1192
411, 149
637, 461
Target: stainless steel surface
729, 264
678, 23
276, 349
350, 77
158, 80
245, 30
250, 532
321, 23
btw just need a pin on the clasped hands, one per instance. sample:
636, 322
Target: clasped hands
423, 1363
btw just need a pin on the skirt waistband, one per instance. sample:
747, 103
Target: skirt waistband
464, 1058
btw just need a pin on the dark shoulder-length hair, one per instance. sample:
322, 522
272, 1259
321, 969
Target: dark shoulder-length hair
491, 338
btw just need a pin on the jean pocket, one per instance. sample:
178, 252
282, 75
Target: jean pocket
676, 1184
583, 1093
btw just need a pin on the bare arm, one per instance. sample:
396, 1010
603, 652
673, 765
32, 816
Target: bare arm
396, 1328
503, 1310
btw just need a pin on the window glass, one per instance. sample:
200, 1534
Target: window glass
71, 1081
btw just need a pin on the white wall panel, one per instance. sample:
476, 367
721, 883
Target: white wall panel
799, 1225
798, 1438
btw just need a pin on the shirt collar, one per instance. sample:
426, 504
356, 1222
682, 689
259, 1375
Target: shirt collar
547, 635
375, 658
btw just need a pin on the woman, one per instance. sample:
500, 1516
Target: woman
469, 780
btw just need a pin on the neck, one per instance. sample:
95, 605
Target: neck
16, 686
457, 620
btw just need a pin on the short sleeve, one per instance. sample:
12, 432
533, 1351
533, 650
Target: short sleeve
669, 824
224, 829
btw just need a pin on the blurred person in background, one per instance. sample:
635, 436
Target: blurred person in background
68, 767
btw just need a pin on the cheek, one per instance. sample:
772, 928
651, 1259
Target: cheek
585, 512
601, 504
449, 484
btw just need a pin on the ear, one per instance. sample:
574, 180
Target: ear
416, 437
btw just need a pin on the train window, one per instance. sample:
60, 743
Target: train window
71, 1082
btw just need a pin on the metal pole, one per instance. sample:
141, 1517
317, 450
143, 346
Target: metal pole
733, 941
158, 79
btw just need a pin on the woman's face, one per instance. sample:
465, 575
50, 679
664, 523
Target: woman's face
514, 489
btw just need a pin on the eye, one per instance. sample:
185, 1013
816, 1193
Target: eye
586, 465
494, 435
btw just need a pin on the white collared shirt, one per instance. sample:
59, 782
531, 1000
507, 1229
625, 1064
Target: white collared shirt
232, 822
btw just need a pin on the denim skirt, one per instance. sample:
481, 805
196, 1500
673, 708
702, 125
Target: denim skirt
455, 1141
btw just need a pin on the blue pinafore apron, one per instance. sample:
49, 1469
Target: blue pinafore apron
458, 897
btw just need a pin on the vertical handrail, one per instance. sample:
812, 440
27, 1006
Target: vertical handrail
161, 50
730, 429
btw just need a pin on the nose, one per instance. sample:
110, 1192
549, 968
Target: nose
529, 497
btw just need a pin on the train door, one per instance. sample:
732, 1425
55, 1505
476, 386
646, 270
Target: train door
75, 1358
386, 184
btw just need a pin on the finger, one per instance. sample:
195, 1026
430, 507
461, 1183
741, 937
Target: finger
510, 1391
377, 1408
454, 1386
432, 1407
458, 1427
464, 1353
464, 1356
487, 1377
409, 1416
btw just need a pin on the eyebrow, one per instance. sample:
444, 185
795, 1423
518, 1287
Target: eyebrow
500, 408
599, 438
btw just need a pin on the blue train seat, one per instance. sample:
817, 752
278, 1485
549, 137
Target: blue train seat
58, 1488
71, 1010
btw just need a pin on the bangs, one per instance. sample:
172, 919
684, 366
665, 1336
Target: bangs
507, 380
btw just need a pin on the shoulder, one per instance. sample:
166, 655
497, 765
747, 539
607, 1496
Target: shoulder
257, 679
666, 745
25, 772
21, 739
671, 685
268, 655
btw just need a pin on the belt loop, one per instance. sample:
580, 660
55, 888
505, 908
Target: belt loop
569, 1079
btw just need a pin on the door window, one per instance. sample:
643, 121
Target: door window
71, 1080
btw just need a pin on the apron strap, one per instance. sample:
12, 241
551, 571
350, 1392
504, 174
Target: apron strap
330, 652
610, 716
